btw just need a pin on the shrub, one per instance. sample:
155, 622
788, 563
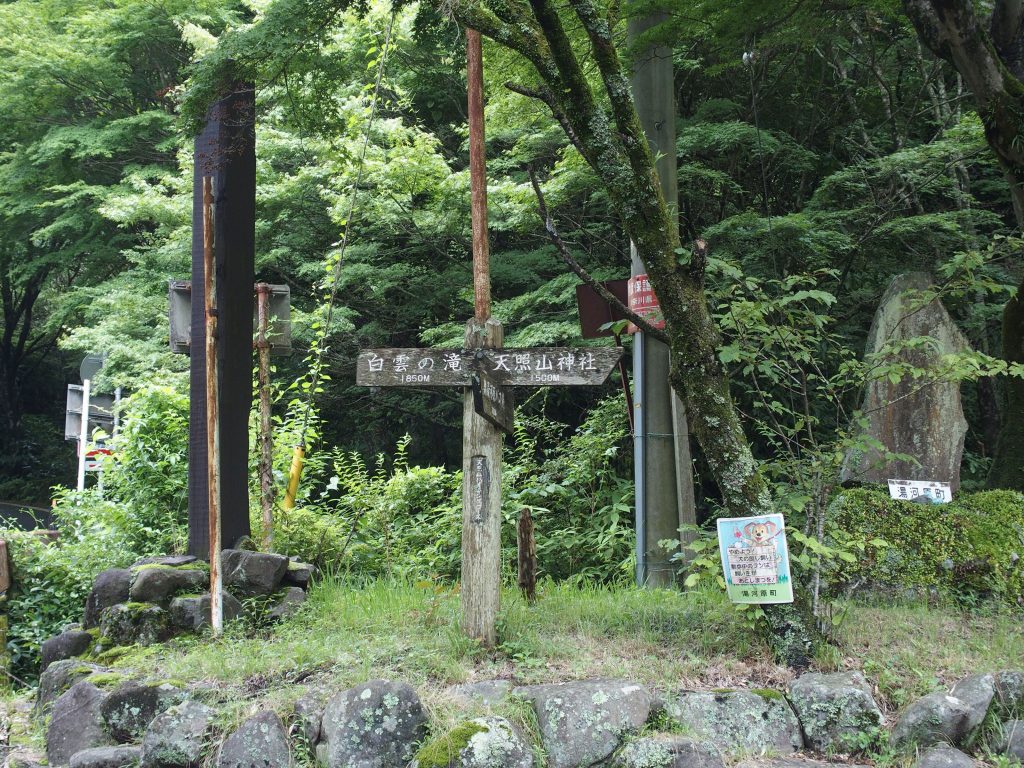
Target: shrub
971, 547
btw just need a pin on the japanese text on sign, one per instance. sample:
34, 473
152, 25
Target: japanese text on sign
643, 301
908, 490
755, 559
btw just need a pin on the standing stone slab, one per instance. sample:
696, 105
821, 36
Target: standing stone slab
177, 737
933, 719
260, 742
109, 588
582, 723
374, 725
924, 422
837, 711
667, 751
740, 721
76, 723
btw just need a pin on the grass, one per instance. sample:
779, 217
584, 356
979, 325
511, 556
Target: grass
348, 633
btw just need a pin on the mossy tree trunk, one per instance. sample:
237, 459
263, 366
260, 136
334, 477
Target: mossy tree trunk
613, 143
989, 55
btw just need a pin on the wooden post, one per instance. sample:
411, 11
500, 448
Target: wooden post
5, 586
481, 440
265, 434
527, 550
212, 402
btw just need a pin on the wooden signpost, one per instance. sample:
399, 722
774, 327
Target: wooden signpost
485, 370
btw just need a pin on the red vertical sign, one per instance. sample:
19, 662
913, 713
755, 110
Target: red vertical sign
643, 301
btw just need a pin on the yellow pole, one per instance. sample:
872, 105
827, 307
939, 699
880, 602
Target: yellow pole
293, 476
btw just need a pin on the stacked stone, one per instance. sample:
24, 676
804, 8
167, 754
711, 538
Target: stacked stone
158, 597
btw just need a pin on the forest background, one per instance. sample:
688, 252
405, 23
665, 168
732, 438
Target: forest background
835, 156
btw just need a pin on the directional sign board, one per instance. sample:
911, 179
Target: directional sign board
532, 367
492, 401
101, 412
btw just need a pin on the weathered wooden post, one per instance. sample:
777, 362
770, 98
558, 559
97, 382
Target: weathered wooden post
212, 409
265, 431
5, 586
527, 555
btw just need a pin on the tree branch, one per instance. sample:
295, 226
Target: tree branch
546, 96
549, 226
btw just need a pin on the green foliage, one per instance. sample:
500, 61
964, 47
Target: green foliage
970, 548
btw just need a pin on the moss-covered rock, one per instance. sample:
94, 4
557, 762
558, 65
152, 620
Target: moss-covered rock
837, 711
133, 624
131, 707
973, 544
177, 738
155, 583
485, 742
739, 722
667, 751
262, 740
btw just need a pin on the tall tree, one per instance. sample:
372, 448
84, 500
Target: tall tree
988, 52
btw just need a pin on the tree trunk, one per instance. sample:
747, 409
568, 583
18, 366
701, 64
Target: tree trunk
990, 63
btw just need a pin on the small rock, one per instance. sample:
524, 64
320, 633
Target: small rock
486, 692
740, 721
172, 560
374, 725
1010, 692
23, 758
1011, 742
667, 751
945, 756
300, 574
76, 723
176, 737
260, 742
932, 719
977, 692
159, 583
582, 723
66, 645
130, 708
252, 573
134, 624
107, 757
109, 588
485, 742
309, 711
59, 677
288, 604
837, 711
192, 612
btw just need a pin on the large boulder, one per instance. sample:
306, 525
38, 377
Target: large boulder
192, 612
374, 725
107, 757
176, 737
66, 645
1009, 696
945, 756
486, 692
109, 588
300, 574
582, 723
59, 677
667, 751
288, 604
933, 719
741, 721
977, 692
925, 423
484, 742
1011, 740
837, 711
259, 742
76, 723
252, 573
134, 624
159, 583
130, 708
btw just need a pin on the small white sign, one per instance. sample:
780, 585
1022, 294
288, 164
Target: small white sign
908, 490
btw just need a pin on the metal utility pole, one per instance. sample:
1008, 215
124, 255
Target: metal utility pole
481, 440
664, 471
